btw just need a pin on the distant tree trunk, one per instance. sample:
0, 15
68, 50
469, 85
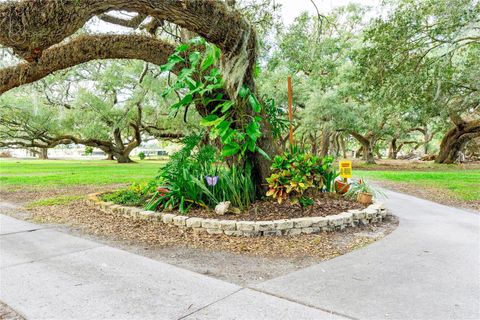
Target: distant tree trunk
43, 154
109, 156
359, 152
367, 145
455, 139
325, 143
394, 149
122, 158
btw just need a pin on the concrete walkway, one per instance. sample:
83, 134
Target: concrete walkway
429, 268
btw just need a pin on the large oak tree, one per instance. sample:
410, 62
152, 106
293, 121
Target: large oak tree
44, 33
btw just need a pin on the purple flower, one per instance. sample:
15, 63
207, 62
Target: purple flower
211, 180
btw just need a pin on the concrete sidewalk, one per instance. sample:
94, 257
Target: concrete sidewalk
46, 274
429, 268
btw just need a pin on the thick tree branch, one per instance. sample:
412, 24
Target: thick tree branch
84, 49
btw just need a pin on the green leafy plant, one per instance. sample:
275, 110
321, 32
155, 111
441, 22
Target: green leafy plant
201, 83
193, 177
134, 195
361, 186
141, 155
296, 172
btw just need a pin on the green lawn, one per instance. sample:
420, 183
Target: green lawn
463, 184
52, 173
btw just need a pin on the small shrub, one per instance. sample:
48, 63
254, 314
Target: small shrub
88, 151
295, 173
135, 195
141, 155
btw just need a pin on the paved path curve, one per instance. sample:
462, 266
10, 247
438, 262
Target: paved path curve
428, 268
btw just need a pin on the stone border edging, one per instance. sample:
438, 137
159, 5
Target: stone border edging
374, 213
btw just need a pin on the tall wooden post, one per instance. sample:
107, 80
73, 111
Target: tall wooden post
290, 111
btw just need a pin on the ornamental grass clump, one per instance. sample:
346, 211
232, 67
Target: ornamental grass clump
196, 177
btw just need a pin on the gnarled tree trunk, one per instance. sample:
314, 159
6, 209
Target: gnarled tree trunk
367, 146
455, 140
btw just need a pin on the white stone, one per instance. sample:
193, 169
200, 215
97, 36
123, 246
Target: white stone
264, 225
335, 220
222, 208
283, 224
319, 221
167, 218
210, 224
228, 225
302, 222
194, 222
179, 220
370, 213
147, 215
245, 225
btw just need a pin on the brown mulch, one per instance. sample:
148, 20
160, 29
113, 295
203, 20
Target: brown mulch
25, 195
86, 219
324, 205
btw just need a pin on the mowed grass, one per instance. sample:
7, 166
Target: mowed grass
57, 173
463, 184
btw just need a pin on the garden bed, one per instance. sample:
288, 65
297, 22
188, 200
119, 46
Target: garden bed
324, 205
277, 227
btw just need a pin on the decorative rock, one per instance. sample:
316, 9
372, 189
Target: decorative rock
210, 224
167, 218
302, 222
246, 225
115, 208
157, 216
283, 224
335, 220
147, 215
179, 220
194, 222
370, 213
264, 225
357, 214
222, 208
228, 225
319, 221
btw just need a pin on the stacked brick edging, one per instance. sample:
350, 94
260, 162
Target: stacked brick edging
352, 218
